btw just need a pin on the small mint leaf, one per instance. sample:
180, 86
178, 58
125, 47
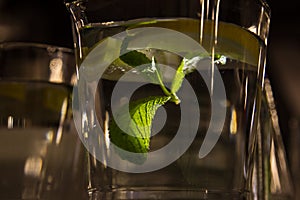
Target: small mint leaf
178, 78
142, 65
177, 81
135, 58
136, 136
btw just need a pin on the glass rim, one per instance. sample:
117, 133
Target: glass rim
8, 45
266, 6
57, 62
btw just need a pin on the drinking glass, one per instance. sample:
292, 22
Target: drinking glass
40, 153
168, 95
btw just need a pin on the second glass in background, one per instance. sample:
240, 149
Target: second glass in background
40, 152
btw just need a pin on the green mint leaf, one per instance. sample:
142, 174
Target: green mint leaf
146, 67
135, 58
136, 137
191, 64
178, 78
177, 81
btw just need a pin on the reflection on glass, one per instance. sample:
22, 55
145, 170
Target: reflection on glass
275, 163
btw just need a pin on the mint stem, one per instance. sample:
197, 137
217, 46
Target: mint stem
165, 90
173, 96
175, 99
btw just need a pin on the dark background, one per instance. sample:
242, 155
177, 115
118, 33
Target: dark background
47, 21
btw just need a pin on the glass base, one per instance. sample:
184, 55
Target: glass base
164, 193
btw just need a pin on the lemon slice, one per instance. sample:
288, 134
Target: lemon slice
232, 40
